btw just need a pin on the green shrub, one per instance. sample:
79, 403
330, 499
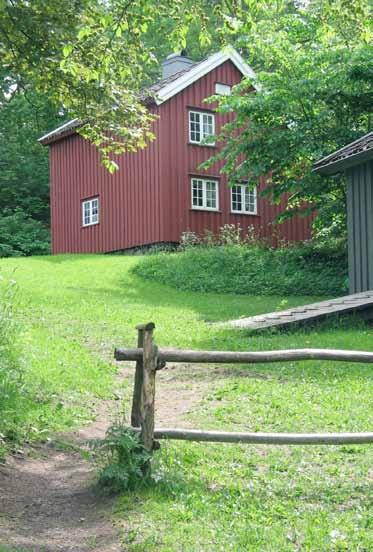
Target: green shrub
121, 458
303, 269
21, 235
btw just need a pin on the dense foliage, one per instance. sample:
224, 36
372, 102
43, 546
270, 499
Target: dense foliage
22, 235
90, 58
24, 175
307, 269
314, 64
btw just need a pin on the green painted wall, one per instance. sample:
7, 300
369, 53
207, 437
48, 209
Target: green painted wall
360, 226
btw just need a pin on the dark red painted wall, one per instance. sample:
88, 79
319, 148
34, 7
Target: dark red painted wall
130, 210
149, 199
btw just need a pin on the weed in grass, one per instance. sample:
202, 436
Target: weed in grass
121, 458
92, 542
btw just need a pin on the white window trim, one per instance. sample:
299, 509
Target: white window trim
201, 112
243, 211
89, 201
204, 180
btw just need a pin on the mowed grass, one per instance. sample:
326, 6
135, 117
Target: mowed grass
74, 310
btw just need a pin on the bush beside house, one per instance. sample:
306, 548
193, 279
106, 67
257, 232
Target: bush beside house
252, 269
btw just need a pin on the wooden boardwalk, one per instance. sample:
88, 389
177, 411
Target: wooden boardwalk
313, 311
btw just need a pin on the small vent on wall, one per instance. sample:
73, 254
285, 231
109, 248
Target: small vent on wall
222, 89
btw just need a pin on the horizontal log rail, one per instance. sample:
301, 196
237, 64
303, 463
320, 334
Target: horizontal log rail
149, 359
180, 355
265, 438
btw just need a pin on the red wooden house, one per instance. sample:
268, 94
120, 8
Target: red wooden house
158, 192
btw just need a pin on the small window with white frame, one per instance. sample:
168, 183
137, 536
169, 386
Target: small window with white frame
205, 194
201, 127
90, 211
222, 89
243, 199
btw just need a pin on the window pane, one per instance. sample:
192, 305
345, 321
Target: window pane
210, 194
86, 212
208, 129
197, 193
194, 126
237, 198
250, 200
94, 211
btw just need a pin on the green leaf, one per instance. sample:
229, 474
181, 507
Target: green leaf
67, 49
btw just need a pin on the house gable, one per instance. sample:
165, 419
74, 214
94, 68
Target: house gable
201, 69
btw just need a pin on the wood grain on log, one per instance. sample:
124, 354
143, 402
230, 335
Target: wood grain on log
175, 355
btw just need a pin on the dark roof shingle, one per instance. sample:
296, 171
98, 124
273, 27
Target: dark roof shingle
352, 154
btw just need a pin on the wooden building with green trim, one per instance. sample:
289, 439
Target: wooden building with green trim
356, 161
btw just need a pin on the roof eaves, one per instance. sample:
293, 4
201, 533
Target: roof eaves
61, 131
353, 153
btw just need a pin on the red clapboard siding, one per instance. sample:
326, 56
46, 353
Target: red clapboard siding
149, 199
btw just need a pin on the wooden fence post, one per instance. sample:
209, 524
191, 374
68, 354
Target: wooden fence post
150, 359
136, 399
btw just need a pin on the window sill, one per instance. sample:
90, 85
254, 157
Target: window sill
90, 224
244, 214
204, 210
202, 145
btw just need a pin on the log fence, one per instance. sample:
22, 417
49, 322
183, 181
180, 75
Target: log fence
149, 359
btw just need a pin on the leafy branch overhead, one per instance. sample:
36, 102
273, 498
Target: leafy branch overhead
314, 61
91, 59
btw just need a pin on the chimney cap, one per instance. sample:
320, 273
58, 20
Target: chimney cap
182, 53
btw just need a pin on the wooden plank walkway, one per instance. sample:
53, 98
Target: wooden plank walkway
313, 311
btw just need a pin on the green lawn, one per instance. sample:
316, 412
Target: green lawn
74, 310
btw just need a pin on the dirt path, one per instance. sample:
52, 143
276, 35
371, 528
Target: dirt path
48, 500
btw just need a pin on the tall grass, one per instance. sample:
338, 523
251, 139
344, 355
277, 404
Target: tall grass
11, 380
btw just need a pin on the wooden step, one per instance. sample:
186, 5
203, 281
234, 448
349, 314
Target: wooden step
313, 311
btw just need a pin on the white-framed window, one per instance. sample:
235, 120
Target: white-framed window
243, 199
90, 211
205, 194
201, 126
222, 89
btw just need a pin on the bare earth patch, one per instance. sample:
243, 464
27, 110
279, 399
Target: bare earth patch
48, 498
